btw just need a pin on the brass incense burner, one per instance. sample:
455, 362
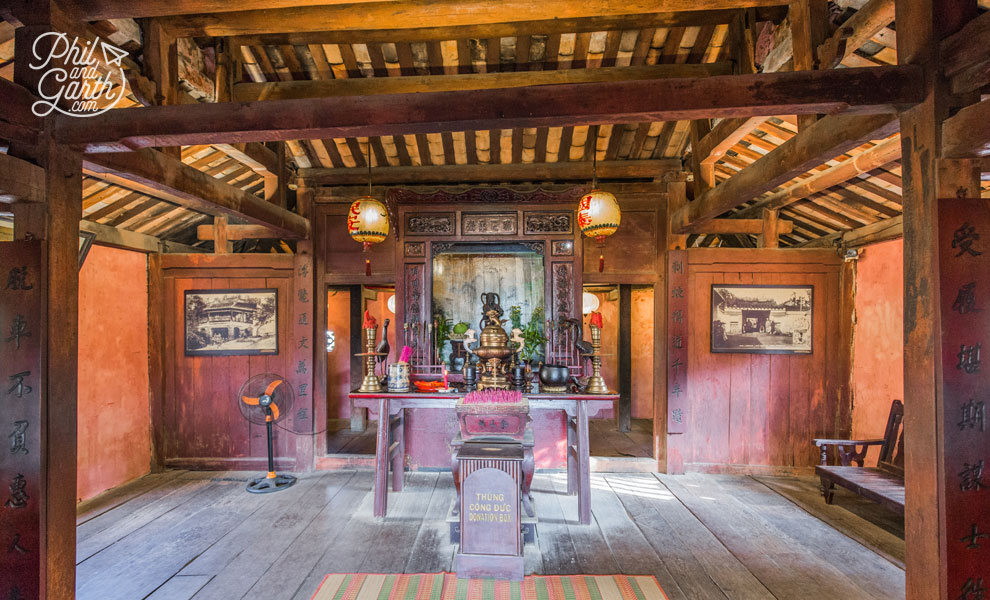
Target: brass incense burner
493, 347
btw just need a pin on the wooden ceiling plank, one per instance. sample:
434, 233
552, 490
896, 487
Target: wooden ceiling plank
878, 156
820, 142
113, 207
162, 175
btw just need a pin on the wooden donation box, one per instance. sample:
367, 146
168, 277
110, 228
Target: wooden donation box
490, 476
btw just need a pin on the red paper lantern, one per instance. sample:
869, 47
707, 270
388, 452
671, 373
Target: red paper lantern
598, 217
367, 223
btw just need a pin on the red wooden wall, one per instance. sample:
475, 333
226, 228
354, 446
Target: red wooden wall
197, 417
744, 411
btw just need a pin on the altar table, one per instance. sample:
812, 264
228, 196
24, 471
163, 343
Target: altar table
390, 444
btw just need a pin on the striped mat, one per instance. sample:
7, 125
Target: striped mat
446, 586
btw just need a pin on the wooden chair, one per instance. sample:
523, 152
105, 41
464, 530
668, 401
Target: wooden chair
884, 483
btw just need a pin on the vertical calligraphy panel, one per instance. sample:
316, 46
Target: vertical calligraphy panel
964, 263
677, 354
21, 337
305, 339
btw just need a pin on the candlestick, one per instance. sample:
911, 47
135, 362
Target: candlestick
596, 383
445, 377
370, 384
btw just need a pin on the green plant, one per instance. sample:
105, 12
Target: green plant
442, 327
531, 333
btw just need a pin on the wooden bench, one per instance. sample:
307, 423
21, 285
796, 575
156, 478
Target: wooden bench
884, 483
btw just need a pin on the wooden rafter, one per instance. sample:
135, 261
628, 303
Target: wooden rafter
163, 176
864, 162
868, 90
20, 180
967, 133
285, 90
427, 13
568, 171
820, 142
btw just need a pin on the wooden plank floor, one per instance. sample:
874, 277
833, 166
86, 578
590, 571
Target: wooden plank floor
182, 535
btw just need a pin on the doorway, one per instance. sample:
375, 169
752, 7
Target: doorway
348, 429
627, 366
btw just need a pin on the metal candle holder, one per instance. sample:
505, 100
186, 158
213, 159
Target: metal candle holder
596, 383
370, 384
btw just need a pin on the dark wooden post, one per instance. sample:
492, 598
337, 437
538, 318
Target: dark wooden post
359, 416
921, 25
625, 358
50, 407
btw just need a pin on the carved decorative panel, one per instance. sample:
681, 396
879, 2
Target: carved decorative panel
415, 249
563, 289
562, 248
547, 222
486, 195
488, 223
430, 224
414, 292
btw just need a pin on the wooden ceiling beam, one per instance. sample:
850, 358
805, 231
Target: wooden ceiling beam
726, 134
870, 90
156, 174
551, 27
740, 226
864, 162
98, 10
370, 86
20, 180
966, 56
967, 133
566, 171
130, 240
820, 142
869, 20
881, 231
270, 18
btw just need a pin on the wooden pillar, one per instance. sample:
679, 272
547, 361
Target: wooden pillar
921, 24
305, 330
704, 172
161, 65
809, 28
624, 418
769, 237
49, 546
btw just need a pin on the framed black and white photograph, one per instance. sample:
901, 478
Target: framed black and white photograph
762, 319
231, 322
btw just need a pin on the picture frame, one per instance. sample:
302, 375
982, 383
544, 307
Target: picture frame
762, 319
230, 322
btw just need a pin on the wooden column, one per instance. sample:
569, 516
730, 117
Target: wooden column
161, 65
769, 236
809, 23
921, 24
52, 401
624, 418
309, 341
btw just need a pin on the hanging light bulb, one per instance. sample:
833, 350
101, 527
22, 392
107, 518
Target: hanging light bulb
598, 213
367, 219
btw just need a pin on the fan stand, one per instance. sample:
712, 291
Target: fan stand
270, 482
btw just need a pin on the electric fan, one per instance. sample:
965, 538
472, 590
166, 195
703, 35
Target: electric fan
264, 399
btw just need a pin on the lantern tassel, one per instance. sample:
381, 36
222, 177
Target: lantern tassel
367, 267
